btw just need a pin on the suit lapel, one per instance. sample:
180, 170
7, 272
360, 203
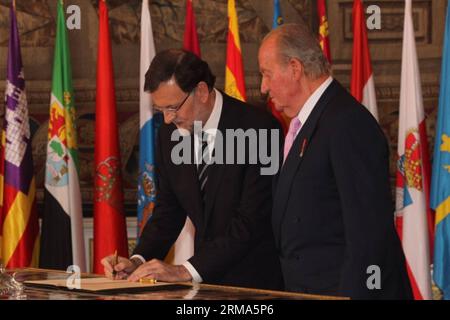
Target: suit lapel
188, 183
216, 171
277, 175
295, 157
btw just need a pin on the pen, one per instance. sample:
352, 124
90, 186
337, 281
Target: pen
115, 262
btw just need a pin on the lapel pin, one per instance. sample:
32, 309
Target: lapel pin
302, 151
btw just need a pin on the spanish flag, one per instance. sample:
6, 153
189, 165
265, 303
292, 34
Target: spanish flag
234, 72
19, 228
323, 29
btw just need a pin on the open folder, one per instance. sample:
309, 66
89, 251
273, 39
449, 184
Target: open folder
104, 285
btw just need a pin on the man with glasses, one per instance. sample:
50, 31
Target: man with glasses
229, 204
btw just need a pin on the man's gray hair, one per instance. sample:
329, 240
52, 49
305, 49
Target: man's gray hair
298, 42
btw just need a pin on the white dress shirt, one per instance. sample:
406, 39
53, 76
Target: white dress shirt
210, 127
309, 105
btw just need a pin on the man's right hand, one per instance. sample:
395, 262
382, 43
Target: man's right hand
121, 270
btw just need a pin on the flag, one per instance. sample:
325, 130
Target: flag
2, 174
277, 21
62, 241
413, 217
440, 182
190, 39
146, 179
234, 71
19, 218
324, 39
183, 248
110, 232
362, 84
277, 17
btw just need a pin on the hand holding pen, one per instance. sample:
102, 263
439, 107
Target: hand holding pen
116, 267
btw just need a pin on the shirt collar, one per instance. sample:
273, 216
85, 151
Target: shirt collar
212, 123
312, 101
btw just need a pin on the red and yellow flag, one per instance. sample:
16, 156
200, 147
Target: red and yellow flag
2, 173
110, 232
323, 28
234, 72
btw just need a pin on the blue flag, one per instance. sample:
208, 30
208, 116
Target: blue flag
440, 183
146, 179
277, 18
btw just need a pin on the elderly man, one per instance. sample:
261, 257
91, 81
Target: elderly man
333, 213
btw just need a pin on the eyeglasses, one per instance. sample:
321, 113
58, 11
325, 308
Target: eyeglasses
172, 109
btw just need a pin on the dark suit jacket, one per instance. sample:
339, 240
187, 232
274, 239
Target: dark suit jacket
234, 243
333, 210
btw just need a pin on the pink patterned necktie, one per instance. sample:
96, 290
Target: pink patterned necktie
290, 137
